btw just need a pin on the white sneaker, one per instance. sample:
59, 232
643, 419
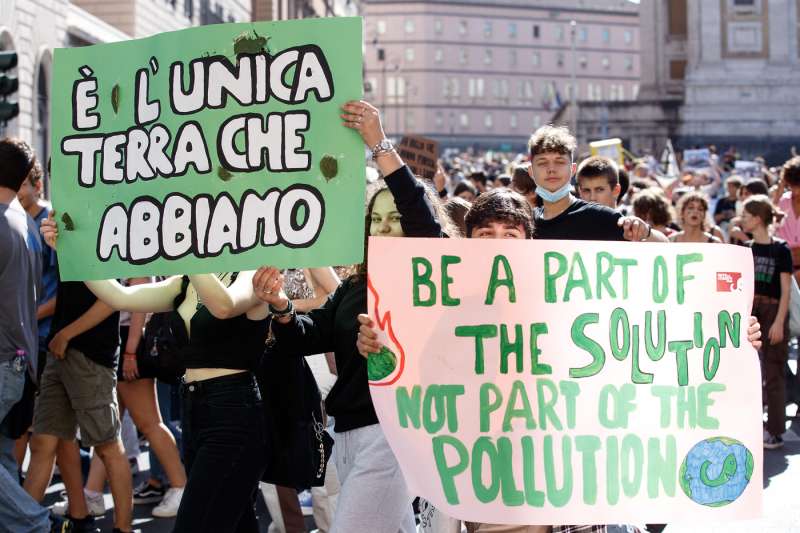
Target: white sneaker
96, 506
168, 507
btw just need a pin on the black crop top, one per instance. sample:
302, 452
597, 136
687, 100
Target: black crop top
235, 343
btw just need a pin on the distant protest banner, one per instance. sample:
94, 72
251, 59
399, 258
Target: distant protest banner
542, 382
420, 154
217, 148
696, 159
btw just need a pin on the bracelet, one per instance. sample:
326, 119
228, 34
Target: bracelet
279, 313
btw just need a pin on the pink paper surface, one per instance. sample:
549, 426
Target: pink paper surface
531, 489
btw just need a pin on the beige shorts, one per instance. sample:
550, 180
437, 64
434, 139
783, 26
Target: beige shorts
75, 392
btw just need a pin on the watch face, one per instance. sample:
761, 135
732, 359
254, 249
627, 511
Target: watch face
385, 144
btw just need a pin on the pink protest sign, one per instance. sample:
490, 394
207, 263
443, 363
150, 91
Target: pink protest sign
545, 382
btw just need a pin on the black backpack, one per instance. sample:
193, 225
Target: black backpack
165, 337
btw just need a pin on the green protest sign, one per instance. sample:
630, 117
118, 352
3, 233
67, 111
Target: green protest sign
217, 148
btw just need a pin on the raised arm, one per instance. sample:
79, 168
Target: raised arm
226, 302
146, 298
418, 215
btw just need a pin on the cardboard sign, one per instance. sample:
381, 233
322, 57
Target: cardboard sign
217, 148
696, 159
543, 382
748, 169
610, 148
420, 154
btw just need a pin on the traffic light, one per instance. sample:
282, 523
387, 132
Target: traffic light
8, 86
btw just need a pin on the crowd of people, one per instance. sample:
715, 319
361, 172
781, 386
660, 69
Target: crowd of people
75, 356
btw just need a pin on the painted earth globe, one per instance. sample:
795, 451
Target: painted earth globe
716, 471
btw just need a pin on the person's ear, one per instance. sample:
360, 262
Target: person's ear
574, 169
617, 190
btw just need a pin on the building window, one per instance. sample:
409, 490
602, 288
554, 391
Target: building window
464, 120
462, 56
559, 33
537, 122
42, 138
409, 55
677, 18
512, 30
583, 34
628, 35
371, 86
635, 91
487, 28
606, 35
409, 26
583, 61
381, 27
513, 121
438, 55
475, 88
410, 122
462, 27
606, 62
560, 59
536, 31
536, 59
438, 27
438, 119
528, 90
628, 63
488, 121
512, 57
487, 56
455, 87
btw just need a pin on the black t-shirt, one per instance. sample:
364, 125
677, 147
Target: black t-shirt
582, 221
725, 206
769, 262
101, 343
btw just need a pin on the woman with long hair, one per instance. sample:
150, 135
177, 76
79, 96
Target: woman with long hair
368, 471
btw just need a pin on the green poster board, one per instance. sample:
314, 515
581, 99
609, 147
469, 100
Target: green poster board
217, 148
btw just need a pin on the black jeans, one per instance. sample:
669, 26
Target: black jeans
224, 453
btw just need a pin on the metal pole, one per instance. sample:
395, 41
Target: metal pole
573, 99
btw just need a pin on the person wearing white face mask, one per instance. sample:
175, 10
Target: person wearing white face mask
563, 216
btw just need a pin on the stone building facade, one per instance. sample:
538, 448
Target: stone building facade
472, 72
723, 72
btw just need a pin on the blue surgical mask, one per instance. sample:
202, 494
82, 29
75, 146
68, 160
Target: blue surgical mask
553, 197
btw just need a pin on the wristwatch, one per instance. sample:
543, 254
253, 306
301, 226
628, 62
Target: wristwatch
383, 147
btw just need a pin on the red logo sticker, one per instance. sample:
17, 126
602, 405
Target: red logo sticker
728, 281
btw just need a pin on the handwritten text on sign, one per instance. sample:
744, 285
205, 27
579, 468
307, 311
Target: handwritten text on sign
533, 382
212, 148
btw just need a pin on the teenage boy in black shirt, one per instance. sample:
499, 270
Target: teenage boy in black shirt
562, 216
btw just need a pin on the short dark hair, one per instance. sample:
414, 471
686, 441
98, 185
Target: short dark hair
521, 180
465, 186
756, 186
499, 205
551, 138
652, 206
599, 167
16, 161
479, 176
790, 172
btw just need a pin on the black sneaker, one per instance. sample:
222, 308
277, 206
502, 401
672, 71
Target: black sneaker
147, 493
84, 525
773, 442
59, 524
